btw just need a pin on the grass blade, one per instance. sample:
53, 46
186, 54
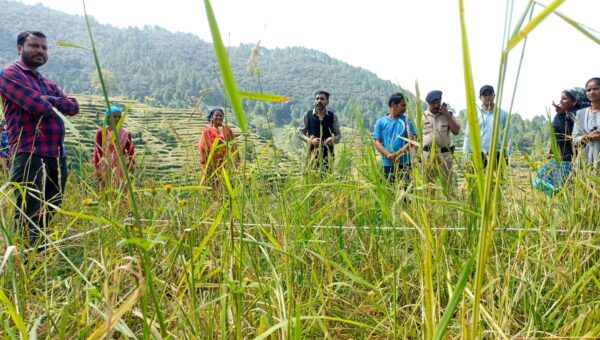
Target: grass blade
65, 44
12, 312
226, 72
578, 27
471, 106
284, 323
126, 306
533, 24
265, 97
442, 326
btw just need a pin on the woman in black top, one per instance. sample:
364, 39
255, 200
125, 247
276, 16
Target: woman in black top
571, 100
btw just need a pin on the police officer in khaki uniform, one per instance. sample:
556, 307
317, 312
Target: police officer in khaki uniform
437, 125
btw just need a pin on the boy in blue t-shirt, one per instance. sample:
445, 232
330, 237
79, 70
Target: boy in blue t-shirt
390, 134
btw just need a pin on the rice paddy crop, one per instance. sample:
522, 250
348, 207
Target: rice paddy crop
272, 252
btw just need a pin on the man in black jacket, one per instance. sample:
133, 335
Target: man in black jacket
320, 130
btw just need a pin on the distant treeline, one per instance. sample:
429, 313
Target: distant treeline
169, 69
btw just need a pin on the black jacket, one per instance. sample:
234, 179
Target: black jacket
563, 127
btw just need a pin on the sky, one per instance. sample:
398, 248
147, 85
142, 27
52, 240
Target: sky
404, 41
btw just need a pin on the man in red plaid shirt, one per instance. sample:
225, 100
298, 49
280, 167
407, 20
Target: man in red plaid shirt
36, 134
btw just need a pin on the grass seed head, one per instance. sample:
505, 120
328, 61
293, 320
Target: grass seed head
88, 202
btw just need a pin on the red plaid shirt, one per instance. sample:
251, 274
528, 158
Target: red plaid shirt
33, 127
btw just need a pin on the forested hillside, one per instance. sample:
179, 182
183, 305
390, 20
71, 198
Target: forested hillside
166, 69
170, 69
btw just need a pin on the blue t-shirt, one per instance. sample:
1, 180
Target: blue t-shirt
390, 133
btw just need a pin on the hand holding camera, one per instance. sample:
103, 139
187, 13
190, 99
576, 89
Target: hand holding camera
444, 110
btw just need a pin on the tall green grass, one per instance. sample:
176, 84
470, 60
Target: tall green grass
250, 258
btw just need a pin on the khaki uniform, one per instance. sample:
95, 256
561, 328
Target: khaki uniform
436, 146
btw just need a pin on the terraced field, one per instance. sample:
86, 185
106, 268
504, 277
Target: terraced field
166, 141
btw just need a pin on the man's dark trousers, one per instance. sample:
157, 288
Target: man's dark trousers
43, 179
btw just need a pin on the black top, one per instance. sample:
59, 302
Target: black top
563, 127
320, 128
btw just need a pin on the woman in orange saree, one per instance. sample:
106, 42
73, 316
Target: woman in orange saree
216, 138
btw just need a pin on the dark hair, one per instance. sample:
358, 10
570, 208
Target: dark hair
596, 79
213, 111
570, 95
396, 98
577, 95
23, 36
325, 93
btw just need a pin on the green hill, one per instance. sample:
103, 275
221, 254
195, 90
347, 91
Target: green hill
166, 69
170, 69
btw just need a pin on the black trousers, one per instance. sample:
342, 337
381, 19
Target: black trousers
485, 157
43, 180
321, 158
398, 172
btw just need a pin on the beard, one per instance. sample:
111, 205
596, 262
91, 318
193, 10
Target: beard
33, 61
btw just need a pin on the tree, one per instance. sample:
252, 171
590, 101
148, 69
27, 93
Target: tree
110, 81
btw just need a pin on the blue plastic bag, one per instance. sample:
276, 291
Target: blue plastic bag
551, 178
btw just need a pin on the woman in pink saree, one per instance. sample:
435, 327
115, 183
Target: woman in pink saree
215, 138
106, 157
